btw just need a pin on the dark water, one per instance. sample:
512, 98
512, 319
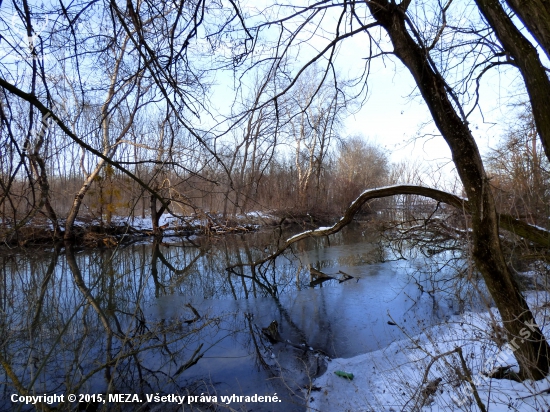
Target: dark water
170, 318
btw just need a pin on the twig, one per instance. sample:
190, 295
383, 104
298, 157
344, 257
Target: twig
197, 315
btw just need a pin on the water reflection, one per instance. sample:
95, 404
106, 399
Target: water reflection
171, 318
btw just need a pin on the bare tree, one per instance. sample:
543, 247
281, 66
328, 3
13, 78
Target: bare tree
360, 165
314, 118
520, 173
533, 357
110, 144
524, 55
112, 63
256, 137
415, 49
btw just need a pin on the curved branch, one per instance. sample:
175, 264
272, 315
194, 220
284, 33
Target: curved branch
532, 233
377, 193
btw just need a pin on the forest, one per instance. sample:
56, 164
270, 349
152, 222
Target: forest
123, 120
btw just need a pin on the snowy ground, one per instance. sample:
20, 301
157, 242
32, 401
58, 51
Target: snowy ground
173, 224
393, 379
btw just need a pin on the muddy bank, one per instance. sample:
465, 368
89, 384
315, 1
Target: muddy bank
93, 233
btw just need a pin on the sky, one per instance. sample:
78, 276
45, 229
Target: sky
395, 117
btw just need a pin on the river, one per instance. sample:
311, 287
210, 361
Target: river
168, 318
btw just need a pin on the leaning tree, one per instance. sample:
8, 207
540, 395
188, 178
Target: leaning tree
437, 43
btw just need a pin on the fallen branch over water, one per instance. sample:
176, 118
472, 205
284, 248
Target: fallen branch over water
535, 234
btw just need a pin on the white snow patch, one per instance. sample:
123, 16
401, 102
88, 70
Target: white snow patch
259, 214
309, 232
391, 379
540, 228
319, 229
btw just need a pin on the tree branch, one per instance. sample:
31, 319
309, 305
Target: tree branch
47, 113
533, 233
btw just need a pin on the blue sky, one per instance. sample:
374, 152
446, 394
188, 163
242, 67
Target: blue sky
395, 116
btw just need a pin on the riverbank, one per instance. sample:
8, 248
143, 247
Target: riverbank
426, 372
96, 233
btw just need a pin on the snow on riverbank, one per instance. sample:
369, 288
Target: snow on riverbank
393, 378
174, 224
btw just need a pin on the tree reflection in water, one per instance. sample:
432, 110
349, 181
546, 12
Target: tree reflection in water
76, 324
93, 322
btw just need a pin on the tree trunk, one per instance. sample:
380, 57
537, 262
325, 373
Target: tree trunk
156, 215
535, 14
532, 354
77, 202
40, 168
527, 61
109, 149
